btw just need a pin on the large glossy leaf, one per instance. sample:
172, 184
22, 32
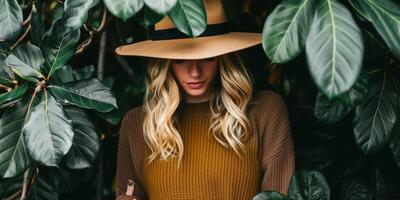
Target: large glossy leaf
10, 186
270, 195
37, 24
13, 94
147, 17
356, 190
124, 9
48, 132
330, 111
5, 72
309, 185
376, 115
46, 185
14, 156
385, 16
10, 19
90, 94
286, 29
84, 73
59, 45
86, 141
63, 75
25, 61
334, 48
161, 6
357, 93
189, 16
395, 144
76, 12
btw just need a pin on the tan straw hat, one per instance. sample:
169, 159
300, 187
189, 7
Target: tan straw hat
167, 42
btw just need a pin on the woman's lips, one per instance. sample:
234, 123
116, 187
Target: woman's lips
195, 85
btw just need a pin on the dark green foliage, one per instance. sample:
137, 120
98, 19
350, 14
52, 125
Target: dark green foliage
341, 80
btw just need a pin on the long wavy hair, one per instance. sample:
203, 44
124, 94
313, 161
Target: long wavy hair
230, 125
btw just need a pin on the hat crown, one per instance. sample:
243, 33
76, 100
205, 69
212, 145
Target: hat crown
214, 11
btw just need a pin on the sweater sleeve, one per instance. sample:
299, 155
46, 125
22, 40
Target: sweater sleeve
126, 162
277, 145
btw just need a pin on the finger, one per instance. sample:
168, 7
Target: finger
130, 188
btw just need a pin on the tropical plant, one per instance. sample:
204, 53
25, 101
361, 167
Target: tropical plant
53, 111
305, 184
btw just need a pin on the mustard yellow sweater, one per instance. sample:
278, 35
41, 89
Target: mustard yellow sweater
208, 169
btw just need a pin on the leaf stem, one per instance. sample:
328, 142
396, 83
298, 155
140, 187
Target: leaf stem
25, 185
22, 37
6, 88
15, 195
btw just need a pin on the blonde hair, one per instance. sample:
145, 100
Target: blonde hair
230, 125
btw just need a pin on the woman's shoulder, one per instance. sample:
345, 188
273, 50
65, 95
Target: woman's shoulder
266, 98
133, 119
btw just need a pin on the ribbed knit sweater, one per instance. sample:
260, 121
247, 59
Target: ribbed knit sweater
208, 169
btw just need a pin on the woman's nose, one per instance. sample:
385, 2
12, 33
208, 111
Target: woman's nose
194, 69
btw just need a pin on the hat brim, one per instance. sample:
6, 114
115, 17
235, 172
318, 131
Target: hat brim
191, 48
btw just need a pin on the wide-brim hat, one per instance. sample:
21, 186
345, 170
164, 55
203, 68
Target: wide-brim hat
169, 43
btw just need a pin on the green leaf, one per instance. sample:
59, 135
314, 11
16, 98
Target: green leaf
189, 16
10, 186
124, 9
10, 20
5, 72
385, 16
48, 132
113, 117
161, 6
46, 185
330, 111
270, 195
147, 17
59, 45
63, 75
395, 144
286, 29
376, 115
37, 24
84, 73
76, 12
309, 185
25, 61
13, 94
334, 48
89, 94
86, 141
357, 93
14, 156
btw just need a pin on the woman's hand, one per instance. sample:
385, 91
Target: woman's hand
130, 188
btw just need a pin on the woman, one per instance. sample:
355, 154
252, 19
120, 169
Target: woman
202, 132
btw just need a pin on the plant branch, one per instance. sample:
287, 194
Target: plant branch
22, 37
101, 58
15, 195
103, 20
6, 88
92, 31
25, 184
29, 18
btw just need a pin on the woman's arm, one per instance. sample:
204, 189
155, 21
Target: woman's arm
277, 147
125, 162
